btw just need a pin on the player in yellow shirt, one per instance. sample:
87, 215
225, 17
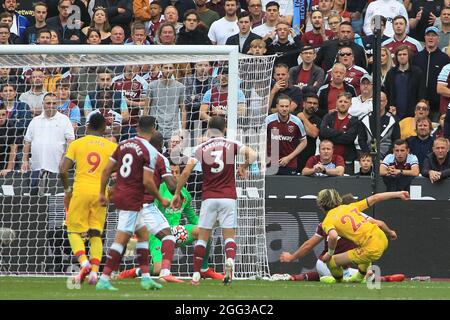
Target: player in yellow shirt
86, 217
348, 221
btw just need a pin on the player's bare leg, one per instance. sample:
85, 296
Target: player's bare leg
144, 260
167, 250
230, 254
199, 253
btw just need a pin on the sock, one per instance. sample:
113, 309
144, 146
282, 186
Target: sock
95, 252
335, 270
113, 259
167, 249
230, 248
205, 264
143, 256
362, 268
78, 248
138, 272
199, 254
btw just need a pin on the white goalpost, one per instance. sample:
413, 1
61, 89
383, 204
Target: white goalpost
177, 85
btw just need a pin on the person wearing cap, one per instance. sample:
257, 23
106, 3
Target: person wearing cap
362, 104
431, 60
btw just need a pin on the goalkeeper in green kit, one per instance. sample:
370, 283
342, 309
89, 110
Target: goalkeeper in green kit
184, 234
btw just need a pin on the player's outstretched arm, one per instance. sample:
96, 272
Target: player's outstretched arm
250, 156
65, 166
383, 226
332, 243
304, 249
184, 176
104, 181
404, 195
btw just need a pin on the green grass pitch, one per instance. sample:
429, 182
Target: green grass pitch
56, 288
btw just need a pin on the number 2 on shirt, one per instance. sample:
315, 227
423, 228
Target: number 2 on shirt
93, 159
355, 226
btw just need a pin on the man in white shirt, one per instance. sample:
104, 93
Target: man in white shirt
33, 97
267, 29
286, 8
47, 137
225, 27
362, 104
388, 9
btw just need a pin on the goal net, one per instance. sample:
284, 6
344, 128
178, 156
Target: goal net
179, 85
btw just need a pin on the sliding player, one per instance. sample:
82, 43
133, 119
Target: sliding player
86, 217
349, 222
217, 157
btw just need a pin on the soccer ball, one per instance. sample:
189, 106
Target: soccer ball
180, 233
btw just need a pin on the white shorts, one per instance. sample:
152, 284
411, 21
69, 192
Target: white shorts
221, 209
323, 270
153, 219
129, 221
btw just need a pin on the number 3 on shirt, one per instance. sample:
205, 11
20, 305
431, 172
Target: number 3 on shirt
93, 159
218, 160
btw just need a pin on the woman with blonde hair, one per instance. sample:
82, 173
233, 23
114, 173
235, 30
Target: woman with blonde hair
100, 22
386, 63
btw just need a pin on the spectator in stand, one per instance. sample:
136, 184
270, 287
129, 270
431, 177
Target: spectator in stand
65, 105
404, 84
311, 122
368, 42
8, 144
436, 166
33, 97
4, 34
334, 21
389, 130
444, 29
341, 7
421, 144
245, 36
134, 89
258, 47
17, 111
191, 33
100, 22
281, 86
386, 63
356, 8
138, 35
431, 60
326, 55
318, 34
307, 76
6, 77
353, 73
166, 104
120, 12
399, 168
54, 37
272, 16
46, 154
388, 9
94, 36
365, 164
443, 88
326, 163
215, 100
342, 129
401, 38
326, 7
40, 15
408, 125
217, 6
113, 120
7, 18
196, 86
207, 16
225, 27
362, 104
117, 35
255, 8
149, 14
328, 92
171, 16
180, 5
166, 34
438, 132
285, 49
422, 15
44, 36
68, 34
286, 9
20, 22
286, 138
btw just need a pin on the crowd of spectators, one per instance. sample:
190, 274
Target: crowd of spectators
320, 107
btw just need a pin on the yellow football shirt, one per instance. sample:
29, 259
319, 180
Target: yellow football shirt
90, 154
349, 222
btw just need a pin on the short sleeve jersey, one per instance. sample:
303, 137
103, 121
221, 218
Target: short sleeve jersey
349, 222
132, 157
90, 154
343, 244
217, 157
